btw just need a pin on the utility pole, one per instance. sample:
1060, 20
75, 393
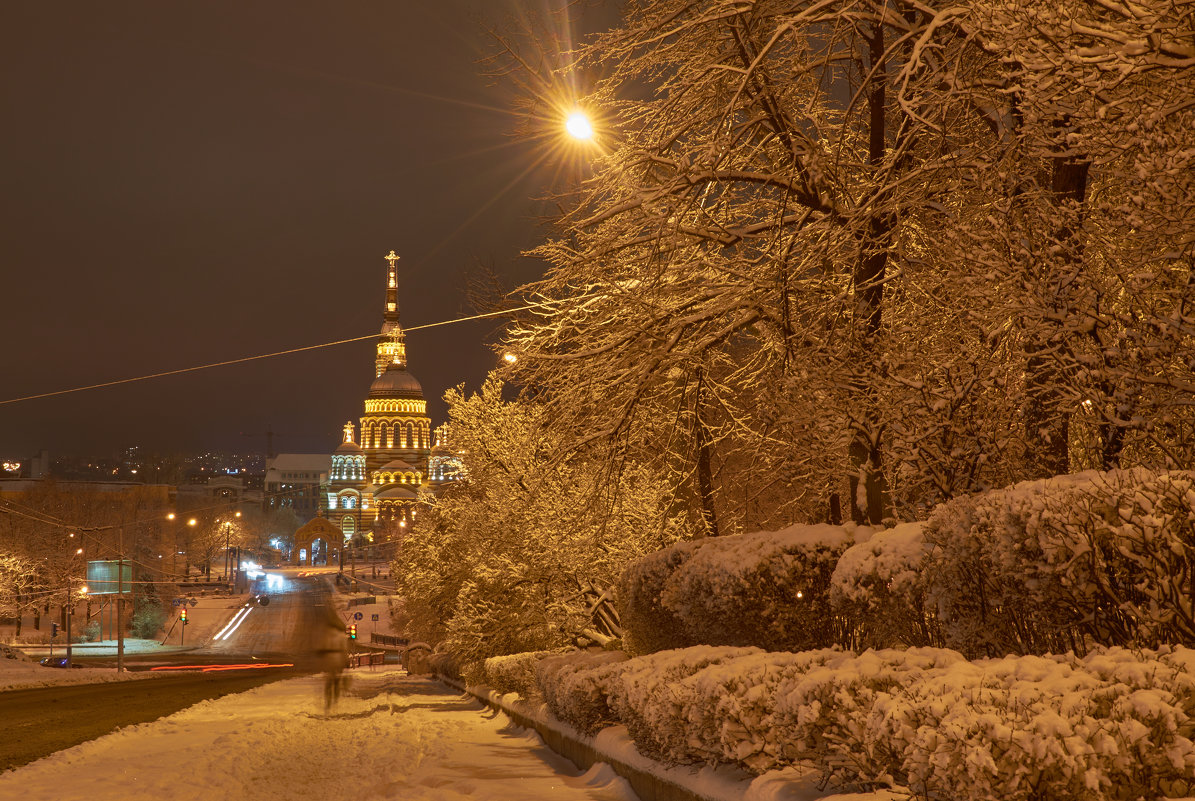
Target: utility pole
120, 601
70, 612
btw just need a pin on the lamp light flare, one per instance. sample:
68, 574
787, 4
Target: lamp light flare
578, 125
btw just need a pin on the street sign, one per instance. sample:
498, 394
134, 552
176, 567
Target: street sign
107, 577
194, 602
375, 618
358, 616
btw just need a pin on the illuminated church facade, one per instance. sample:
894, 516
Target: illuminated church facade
375, 480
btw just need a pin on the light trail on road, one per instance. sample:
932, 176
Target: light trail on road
234, 624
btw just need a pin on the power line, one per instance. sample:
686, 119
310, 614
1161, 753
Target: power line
229, 362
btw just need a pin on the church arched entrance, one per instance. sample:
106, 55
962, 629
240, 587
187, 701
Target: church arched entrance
317, 542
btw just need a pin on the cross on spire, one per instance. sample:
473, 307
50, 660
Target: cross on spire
390, 345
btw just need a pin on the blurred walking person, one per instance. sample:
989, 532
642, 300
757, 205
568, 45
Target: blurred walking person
327, 646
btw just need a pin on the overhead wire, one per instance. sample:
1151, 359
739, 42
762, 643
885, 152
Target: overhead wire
10, 507
243, 359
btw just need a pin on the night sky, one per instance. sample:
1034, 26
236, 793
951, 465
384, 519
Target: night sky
187, 183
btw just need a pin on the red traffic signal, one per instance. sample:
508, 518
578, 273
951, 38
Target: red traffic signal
353, 631
183, 616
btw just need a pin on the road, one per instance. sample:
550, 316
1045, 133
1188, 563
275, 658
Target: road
37, 722
393, 736
40, 721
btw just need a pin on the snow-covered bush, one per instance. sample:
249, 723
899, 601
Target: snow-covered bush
1047, 566
647, 696
1125, 548
443, 663
576, 687
768, 589
515, 673
731, 717
1113, 725
880, 584
647, 624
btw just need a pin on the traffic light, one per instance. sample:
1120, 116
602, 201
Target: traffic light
353, 631
183, 616
53, 629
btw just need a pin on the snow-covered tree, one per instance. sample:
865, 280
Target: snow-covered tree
926, 248
1090, 240
774, 180
522, 554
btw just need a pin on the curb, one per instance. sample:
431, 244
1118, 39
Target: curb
584, 753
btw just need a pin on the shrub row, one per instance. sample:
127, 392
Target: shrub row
768, 589
1050, 565
1043, 566
514, 673
1115, 724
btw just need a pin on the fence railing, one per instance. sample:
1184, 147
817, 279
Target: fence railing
387, 639
372, 599
367, 658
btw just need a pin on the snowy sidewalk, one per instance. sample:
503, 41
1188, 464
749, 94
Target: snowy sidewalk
393, 737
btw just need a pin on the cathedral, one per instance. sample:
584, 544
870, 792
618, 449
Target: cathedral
373, 489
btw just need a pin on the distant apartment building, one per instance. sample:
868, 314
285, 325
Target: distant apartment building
294, 481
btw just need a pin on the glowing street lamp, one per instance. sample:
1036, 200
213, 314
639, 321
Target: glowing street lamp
578, 125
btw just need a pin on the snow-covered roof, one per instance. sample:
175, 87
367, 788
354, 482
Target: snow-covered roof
396, 466
395, 494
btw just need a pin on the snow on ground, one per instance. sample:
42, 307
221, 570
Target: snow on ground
18, 674
393, 737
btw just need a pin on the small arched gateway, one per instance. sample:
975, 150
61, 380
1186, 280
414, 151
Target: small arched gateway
318, 541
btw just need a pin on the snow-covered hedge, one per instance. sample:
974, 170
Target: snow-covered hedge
768, 589
1051, 565
1115, 724
581, 702
445, 663
646, 695
648, 625
514, 673
880, 585
1112, 725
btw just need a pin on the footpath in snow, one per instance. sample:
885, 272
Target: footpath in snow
393, 736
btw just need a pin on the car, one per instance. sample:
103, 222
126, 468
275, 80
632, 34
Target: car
57, 661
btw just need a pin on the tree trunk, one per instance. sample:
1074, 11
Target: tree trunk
705, 474
865, 450
1047, 423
